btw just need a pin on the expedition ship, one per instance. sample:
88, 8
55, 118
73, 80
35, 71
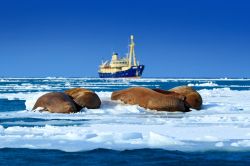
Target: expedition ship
122, 67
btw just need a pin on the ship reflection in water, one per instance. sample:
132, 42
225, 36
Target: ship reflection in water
126, 67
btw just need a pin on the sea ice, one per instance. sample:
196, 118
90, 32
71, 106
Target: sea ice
223, 122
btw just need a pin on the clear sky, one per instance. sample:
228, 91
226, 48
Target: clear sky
178, 38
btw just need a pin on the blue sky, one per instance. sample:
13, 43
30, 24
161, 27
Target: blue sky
173, 38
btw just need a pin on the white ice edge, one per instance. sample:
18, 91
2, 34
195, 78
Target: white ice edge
206, 84
122, 137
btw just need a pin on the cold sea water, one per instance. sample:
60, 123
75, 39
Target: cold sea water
120, 134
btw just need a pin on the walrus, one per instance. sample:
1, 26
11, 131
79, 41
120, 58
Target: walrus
84, 98
193, 98
150, 99
170, 93
56, 102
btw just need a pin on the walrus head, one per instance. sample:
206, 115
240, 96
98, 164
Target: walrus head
193, 98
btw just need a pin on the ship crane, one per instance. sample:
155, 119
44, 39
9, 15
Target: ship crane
132, 52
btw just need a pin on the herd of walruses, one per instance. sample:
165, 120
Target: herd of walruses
181, 99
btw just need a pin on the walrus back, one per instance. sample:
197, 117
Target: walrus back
148, 98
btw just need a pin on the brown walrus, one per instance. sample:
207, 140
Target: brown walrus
84, 98
148, 98
193, 98
170, 93
56, 102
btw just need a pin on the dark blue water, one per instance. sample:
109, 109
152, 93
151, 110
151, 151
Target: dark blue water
11, 105
142, 157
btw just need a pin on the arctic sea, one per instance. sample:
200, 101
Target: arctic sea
120, 134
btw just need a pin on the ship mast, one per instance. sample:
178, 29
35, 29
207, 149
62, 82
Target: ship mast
132, 52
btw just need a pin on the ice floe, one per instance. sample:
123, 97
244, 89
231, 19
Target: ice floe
222, 124
207, 84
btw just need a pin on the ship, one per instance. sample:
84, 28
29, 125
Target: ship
124, 67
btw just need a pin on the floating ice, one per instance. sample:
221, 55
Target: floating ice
207, 84
223, 122
219, 144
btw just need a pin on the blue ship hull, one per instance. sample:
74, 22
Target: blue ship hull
134, 71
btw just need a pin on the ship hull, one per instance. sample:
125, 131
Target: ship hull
134, 71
